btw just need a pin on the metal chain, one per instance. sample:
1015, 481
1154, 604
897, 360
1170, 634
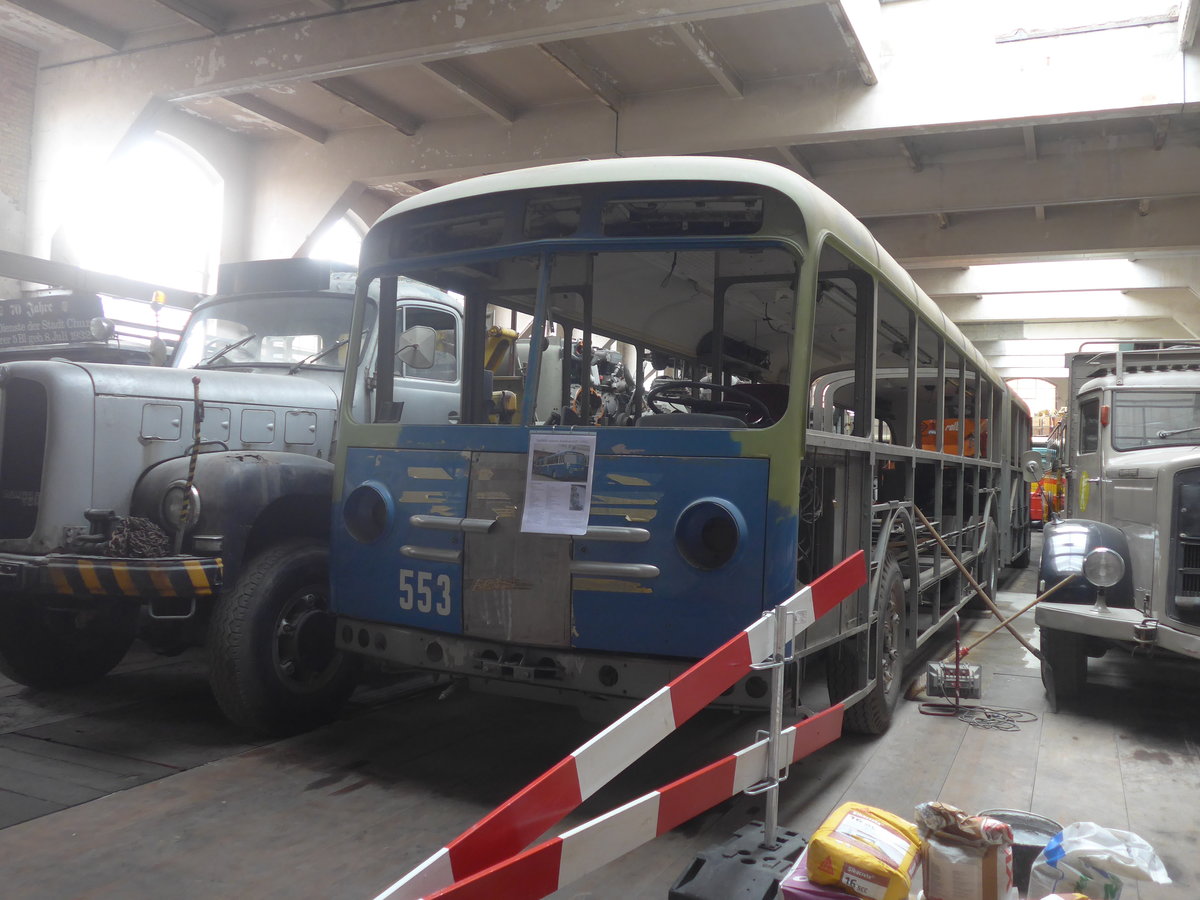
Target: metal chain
134, 537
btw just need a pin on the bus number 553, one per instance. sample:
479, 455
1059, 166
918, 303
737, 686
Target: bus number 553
417, 590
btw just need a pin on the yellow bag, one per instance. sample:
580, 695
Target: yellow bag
868, 852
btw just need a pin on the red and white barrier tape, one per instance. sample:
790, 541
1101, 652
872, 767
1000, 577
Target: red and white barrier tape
507, 830
573, 854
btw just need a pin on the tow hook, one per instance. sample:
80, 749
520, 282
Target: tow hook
1144, 633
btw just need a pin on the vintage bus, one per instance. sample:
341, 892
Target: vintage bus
768, 393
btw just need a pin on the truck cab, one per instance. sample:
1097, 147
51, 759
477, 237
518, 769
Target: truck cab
1131, 533
190, 504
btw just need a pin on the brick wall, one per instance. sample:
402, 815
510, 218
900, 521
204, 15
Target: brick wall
18, 78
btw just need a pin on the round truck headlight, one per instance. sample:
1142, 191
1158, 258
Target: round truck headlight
172, 505
368, 512
1103, 567
709, 533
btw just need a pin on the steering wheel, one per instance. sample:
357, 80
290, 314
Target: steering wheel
665, 393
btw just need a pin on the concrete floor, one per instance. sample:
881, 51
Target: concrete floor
136, 788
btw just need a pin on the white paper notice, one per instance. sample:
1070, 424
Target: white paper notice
558, 483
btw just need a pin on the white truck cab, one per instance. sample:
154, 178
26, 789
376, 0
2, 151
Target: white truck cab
1131, 532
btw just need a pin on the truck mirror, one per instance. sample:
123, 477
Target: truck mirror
416, 347
1031, 466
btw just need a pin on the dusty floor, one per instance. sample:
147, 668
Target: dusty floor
136, 788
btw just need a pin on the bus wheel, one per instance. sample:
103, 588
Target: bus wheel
273, 665
1066, 654
882, 645
56, 648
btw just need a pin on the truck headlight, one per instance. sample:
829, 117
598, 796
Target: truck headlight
1103, 567
172, 505
709, 533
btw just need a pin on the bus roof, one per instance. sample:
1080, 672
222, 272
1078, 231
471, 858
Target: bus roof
832, 215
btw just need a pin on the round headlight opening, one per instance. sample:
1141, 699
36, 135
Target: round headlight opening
1103, 567
709, 533
367, 513
172, 505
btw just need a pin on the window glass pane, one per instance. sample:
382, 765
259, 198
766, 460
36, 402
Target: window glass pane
1089, 426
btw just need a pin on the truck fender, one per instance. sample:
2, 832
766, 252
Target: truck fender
248, 500
1065, 544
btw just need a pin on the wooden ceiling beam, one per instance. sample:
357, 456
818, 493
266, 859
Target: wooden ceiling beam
273, 113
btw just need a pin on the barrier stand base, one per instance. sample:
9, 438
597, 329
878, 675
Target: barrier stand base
741, 868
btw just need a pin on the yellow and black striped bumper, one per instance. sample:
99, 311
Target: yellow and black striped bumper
98, 576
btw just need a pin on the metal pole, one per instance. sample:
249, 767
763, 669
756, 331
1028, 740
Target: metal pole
774, 734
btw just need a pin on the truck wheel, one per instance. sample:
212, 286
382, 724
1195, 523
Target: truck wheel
1066, 654
51, 648
873, 714
272, 662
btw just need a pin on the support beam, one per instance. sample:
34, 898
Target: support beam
1030, 136
1161, 126
908, 150
597, 82
992, 337
56, 274
694, 40
68, 18
368, 101
793, 159
472, 91
1176, 273
199, 12
290, 121
1189, 15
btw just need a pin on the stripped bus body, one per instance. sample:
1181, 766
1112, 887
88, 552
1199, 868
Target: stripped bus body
780, 373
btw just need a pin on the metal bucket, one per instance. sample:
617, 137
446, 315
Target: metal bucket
1031, 833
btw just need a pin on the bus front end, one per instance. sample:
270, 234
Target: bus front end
609, 503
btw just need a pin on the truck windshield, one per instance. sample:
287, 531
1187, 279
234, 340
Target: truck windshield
257, 330
1155, 419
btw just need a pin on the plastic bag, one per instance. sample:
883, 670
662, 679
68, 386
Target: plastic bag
1095, 862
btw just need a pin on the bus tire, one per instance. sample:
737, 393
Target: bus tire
273, 665
43, 648
873, 714
1066, 654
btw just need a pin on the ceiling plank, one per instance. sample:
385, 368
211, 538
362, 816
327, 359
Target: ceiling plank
600, 84
368, 101
74, 21
290, 121
694, 40
471, 90
199, 12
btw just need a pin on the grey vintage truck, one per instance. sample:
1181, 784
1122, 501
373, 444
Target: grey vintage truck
190, 504
1131, 530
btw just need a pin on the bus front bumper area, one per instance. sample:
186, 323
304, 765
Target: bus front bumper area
174, 577
534, 672
1119, 626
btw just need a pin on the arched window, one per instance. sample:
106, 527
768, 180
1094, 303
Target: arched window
341, 241
154, 215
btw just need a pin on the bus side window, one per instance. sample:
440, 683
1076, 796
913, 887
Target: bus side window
835, 390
